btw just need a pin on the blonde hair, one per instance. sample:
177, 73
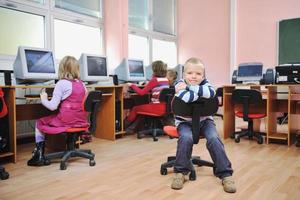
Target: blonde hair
196, 62
68, 68
159, 68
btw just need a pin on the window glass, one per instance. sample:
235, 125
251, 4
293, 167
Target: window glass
138, 14
165, 51
164, 16
87, 7
74, 39
138, 48
20, 29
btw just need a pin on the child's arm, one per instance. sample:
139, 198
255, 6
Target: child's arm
191, 93
147, 88
63, 89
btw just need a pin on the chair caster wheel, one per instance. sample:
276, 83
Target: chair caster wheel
155, 139
163, 171
63, 166
139, 136
4, 175
237, 139
260, 140
92, 163
192, 176
232, 136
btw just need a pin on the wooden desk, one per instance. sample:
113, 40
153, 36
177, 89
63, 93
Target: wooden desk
279, 99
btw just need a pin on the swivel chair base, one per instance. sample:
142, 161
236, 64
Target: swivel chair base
248, 132
195, 160
3, 174
153, 130
71, 151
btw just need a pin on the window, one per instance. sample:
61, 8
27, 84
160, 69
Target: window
153, 22
165, 51
49, 24
74, 39
20, 28
136, 44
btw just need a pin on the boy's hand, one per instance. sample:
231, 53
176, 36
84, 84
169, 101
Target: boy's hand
180, 86
44, 95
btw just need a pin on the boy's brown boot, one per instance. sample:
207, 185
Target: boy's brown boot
228, 184
178, 180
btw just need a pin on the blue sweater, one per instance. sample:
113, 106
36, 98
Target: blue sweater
191, 94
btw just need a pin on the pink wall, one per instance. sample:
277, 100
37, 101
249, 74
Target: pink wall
115, 31
204, 32
257, 22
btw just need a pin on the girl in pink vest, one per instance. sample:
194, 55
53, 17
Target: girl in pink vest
68, 95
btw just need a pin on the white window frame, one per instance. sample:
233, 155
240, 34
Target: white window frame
50, 12
150, 34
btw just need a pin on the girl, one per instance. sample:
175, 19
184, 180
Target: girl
155, 85
69, 94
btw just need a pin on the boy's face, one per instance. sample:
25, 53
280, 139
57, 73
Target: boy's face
194, 74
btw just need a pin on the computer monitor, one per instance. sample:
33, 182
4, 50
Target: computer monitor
179, 69
34, 65
93, 68
131, 70
149, 72
250, 72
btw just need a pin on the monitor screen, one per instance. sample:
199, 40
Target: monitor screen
136, 68
34, 65
39, 61
250, 72
96, 66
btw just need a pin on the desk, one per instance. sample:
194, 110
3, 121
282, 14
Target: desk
278, 99
106, 115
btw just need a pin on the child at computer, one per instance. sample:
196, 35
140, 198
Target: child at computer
155, 85
68, 95
189, 89
171, 76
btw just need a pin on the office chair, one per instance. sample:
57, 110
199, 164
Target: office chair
219, 94
248, 98
154, 120
3, 112
202, 107
72, 135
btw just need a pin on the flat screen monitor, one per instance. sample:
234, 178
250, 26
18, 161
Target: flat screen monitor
93, 68
131, 70
34, 65
250, 72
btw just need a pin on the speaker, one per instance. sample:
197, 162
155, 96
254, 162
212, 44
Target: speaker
115, 79
269, 76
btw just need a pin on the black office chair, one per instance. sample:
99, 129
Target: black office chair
202, 107
219, 94
91, 105
153, 119
248, 98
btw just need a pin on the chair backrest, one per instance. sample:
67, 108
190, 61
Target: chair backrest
201, 107
91, 105
166, 95
246, 97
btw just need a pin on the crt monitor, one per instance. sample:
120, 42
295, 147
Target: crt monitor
179, 69
250, 72
131, 70
93, 68
149, 72
34, 65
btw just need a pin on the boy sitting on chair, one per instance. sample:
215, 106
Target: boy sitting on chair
189, 89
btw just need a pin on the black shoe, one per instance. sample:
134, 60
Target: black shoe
38, 158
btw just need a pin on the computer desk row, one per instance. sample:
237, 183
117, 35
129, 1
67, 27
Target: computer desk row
277, 99
32, 109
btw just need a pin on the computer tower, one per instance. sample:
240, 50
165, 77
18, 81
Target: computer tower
118, 116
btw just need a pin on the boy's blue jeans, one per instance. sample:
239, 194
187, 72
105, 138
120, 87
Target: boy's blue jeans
213, 144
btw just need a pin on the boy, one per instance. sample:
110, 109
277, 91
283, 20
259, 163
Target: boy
189, 89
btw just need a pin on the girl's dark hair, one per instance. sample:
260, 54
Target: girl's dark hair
159, 68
